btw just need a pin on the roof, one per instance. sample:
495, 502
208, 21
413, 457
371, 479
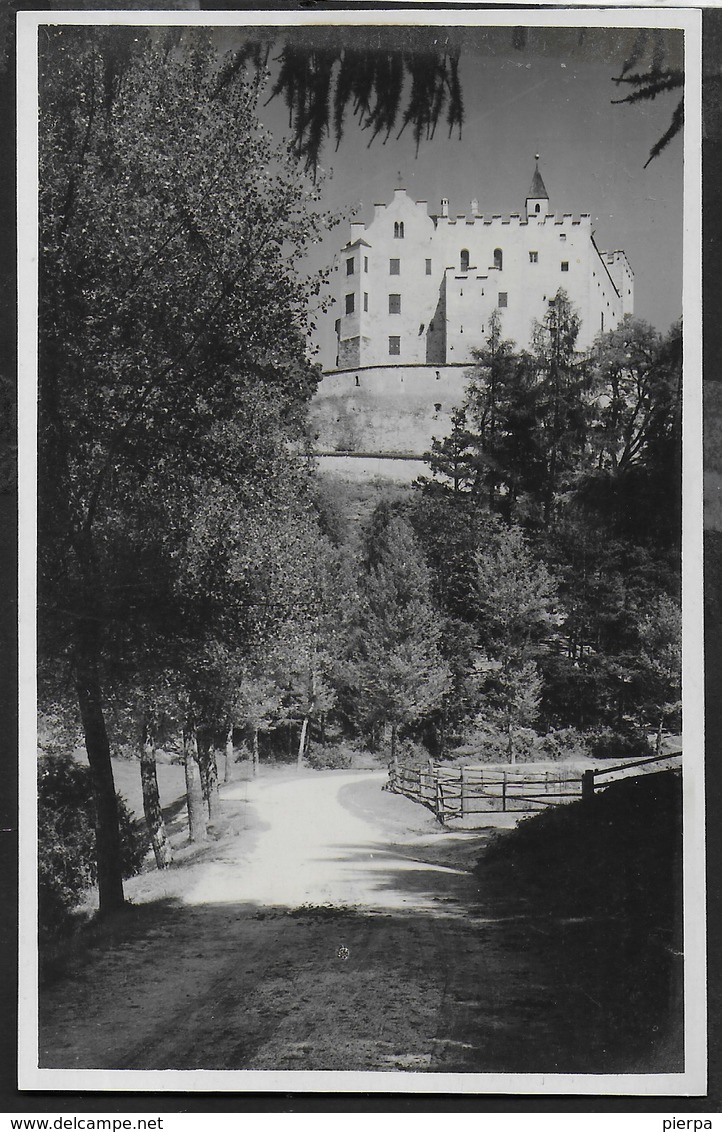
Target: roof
537, 187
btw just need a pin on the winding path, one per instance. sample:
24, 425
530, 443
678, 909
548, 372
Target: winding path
325, 841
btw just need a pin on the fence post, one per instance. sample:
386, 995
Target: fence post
503, 791
587, 785
462, 791
394, 773
439, 800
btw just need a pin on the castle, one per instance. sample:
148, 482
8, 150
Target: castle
415, 295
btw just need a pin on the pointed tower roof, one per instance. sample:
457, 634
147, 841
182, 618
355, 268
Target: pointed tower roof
538, 189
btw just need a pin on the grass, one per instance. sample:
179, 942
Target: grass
620, 854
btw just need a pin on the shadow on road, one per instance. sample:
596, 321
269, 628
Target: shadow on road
228, 986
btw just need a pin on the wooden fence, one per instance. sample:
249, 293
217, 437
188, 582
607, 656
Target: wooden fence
461, 792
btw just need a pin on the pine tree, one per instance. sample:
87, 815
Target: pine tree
395, 674
516, 620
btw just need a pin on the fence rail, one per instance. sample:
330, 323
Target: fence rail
461, 792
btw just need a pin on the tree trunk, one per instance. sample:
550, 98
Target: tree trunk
658, 745
254, 755
302, 740
194, 794
107, 829
393, 741
151, 802
510, 743
229, 754
208, 768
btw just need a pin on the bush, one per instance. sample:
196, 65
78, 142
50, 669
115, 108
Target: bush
615, 743
329, 757
567, 743
66, 839
487, 743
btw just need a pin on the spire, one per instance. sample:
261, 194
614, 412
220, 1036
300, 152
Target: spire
537, 199
537, 190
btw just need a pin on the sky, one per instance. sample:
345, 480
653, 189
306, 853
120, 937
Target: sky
553, 97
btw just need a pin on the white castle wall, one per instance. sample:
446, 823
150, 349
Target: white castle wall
391, 410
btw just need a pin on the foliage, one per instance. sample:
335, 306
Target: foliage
394, 674
659, 78
173, 322
622, 742
329, 757
383, 86
66, 839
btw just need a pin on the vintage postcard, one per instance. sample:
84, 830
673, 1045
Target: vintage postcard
361, 598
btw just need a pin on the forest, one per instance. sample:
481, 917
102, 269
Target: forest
203, 587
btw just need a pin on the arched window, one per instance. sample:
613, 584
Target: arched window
538, 208
398, 230
498, 259
464, 259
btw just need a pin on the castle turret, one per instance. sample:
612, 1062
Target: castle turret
537, 199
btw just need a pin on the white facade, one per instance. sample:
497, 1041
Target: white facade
418, 289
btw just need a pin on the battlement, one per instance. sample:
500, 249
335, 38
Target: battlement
514, 219
419, 288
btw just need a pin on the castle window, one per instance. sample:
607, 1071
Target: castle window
366, 263
498, 259
394, 304
562, 235
394, 267
358, 383
428, 267
437, 406
349, 266
399, 230
464, 260
366, 300
502, 299
421, 329
538, 208
533, 257
602, 321
350, 304
394, 344
565, 265
337, 325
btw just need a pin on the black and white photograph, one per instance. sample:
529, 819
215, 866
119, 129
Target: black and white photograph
361, 716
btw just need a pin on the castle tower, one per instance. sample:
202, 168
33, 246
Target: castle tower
537, 199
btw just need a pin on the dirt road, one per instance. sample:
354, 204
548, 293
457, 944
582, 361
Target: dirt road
334, 926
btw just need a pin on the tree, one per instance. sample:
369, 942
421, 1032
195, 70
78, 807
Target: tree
491, 400
564, 383
632, 488
170, 311
395, 675
452, 460
661, 664
516, 618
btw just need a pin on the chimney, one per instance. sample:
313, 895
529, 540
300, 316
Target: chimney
475, 207
444, 206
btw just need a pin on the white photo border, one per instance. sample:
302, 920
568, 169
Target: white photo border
693, 1080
